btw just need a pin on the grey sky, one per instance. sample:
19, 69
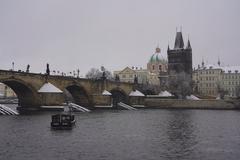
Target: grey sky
71, 34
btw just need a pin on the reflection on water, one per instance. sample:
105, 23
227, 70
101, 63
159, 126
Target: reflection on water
124, 135
180, 133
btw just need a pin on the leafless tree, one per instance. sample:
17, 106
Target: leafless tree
95, 73
221, 91
181, 85
238, 91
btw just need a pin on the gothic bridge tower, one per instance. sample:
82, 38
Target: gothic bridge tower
179, 63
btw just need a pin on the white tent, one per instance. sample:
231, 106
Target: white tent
49, 88
136, 93
192, 97
106, 93
165, 94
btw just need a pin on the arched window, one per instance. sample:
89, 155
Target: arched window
160, 68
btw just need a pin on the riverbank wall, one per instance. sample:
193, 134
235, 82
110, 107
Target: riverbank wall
191, 104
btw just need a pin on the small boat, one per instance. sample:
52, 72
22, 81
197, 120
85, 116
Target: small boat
62, 121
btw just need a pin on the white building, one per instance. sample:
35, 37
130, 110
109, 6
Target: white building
210, 79
230, 80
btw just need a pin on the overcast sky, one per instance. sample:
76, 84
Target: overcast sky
71, 34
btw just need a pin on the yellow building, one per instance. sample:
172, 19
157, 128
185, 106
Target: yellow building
143, 76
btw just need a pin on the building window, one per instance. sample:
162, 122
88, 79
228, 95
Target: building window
123, 76
160, 68
153, 67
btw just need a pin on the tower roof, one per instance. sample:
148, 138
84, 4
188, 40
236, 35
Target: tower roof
179, 41
188, 45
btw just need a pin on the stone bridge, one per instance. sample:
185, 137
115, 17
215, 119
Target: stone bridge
84, 92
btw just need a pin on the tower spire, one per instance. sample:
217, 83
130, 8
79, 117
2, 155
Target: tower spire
219, 63
202, 62
188, 45
179, 41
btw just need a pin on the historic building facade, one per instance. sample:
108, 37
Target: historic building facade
179, 64
180, 57
211, 80
143, 76
156, 68
157, 63
207, 79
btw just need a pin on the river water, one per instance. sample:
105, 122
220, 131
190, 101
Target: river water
150, 134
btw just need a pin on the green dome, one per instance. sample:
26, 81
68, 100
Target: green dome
157, 57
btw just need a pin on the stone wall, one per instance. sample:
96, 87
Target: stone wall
191, 104
101, 100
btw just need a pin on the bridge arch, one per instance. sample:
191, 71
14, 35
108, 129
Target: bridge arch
79, 95
27, 95
118, 95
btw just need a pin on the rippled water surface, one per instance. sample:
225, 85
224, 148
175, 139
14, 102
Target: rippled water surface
124, 135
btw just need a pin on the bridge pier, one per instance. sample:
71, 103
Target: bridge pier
52, 99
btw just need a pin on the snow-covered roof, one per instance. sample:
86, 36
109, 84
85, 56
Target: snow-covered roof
231, 69
211, 66
106, 93
192, 97
136, 93
226, 69
218, 98
165, 94
49, 88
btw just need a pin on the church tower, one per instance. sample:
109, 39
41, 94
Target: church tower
157, 63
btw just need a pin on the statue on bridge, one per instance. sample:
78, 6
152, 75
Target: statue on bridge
48, 70
28, 67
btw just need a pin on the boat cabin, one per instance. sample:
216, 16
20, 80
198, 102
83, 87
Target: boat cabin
62, 121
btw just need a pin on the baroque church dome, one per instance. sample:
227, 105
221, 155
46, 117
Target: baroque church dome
157, 57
